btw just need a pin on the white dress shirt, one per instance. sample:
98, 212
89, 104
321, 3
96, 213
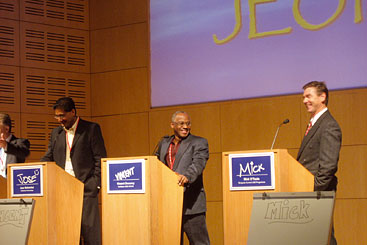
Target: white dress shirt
3, 158
70, 133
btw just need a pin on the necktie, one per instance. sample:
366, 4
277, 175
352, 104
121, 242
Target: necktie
308, 127
2, 160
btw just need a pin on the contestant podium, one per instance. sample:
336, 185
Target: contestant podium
2, 187
290, 176
151, 217
57, 214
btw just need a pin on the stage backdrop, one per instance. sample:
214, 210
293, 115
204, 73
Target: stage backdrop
213, 50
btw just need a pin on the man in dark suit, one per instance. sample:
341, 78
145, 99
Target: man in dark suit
77, 146
319, 151
12, 149
187, 154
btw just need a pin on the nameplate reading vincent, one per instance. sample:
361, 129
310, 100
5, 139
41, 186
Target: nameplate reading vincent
126, 176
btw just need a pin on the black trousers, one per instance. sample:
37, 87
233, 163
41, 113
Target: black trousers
195, 228
91, 224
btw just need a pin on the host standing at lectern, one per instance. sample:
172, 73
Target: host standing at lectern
77, 146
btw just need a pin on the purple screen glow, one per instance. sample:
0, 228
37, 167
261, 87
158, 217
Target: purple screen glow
263, 49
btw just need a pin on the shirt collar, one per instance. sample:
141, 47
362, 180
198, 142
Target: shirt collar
318, 115
9, 138
73, 128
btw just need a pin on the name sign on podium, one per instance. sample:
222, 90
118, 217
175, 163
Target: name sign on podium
300, 218
15, 220
252, 171
126, 176
26, 181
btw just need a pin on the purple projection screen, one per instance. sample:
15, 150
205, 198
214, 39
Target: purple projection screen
215, 50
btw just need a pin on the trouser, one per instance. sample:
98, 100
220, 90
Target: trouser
195, 228
91, 224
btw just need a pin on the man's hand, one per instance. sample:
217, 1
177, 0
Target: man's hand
182, 180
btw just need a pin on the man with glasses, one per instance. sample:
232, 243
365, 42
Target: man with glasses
77, 146
12, 149
187, 154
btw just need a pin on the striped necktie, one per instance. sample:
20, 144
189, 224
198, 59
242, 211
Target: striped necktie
2, 159
308, 127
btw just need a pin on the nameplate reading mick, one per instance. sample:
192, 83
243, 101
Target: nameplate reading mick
252, 171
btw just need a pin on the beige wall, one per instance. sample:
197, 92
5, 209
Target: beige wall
44, 55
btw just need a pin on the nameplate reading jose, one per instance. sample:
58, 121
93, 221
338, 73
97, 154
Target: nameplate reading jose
252, 171
27, 181
126, 176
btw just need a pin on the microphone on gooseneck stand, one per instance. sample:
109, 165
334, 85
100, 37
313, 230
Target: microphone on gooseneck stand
159, 142
276, 134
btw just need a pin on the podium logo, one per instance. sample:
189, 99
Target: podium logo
15, 217
30, 179
250, 169
288, 212
123, 175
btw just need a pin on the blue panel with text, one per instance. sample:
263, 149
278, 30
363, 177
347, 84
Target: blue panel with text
126, 176
252, 172
27, 181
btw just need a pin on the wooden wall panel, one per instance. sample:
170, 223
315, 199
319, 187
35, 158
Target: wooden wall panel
349, 109
251, 124
119, 48
213, 178
54, 48
106, 93
41, 89
9, 9
119, 92
112, 13
350, 220
9, 88
67, 13
352, 172
37, 129
205, 122
111, 131
125, 135
9, 42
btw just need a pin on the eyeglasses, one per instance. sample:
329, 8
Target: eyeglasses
181, 124
61, 116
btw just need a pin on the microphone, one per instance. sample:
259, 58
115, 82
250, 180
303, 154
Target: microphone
276, 134
156, 146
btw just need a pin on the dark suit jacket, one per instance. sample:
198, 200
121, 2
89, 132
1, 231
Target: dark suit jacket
17, 150
319, 152
86, 152
190, 161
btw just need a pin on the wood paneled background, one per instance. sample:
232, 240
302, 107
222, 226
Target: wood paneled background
98, 53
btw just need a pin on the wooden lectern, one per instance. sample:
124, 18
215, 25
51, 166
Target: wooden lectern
2, 187
57, 214
290, 176
153, 217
